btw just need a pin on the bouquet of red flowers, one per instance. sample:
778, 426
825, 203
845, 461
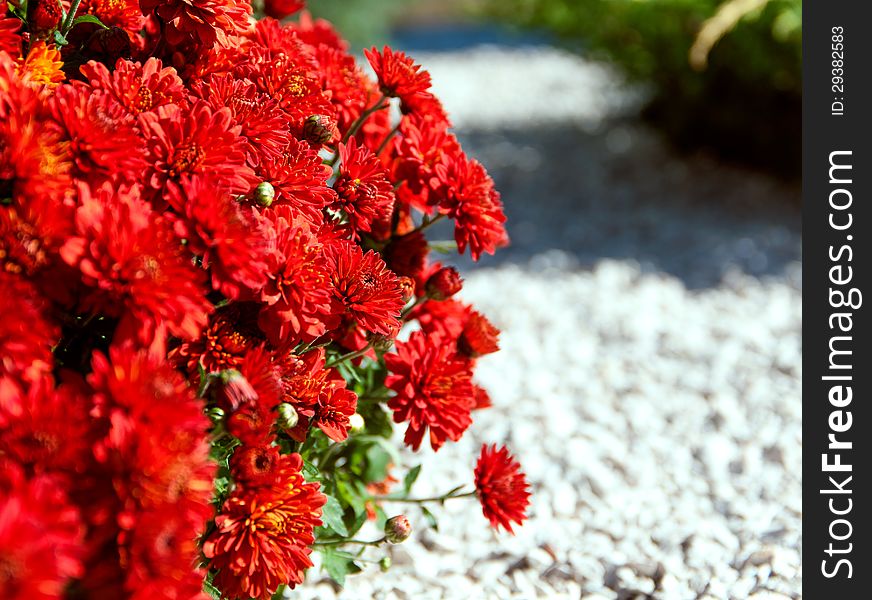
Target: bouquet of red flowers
212, 251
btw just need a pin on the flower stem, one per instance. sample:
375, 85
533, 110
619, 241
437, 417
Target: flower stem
355, 127
447, 496
427, 222
71, 15
349, 356
377, 542
388, 137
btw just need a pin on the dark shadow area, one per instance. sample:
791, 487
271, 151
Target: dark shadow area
621, 193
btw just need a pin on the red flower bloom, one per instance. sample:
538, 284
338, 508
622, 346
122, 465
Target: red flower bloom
101, 135
262, 536
124, 14
423, 145
202, 142
297, 292
226, 235
138, 87
433, 390
41, 537
135, 266
46, 429
10, 40
363, 189
300, 180
279, 9
232, 331
501, 487
365, 289
318, 394
470, 199
204, 21
479, 336
26, 336
317, 32
346, 82
264, 123
250, 417
398, 75
444, 283
43, 14
255, 466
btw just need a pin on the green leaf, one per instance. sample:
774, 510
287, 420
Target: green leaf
210, 589
430, 518
410, 478
88, 19
59, 39
377, 461
332, 514
338, 564
279, 593
311, 472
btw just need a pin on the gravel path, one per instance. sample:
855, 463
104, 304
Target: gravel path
649, 377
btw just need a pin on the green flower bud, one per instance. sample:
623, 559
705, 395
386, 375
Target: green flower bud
264, 193
288, 417
384, 564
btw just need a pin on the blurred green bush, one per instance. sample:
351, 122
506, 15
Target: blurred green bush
363, 23
727, 75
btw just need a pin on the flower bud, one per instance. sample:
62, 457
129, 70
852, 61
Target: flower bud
319, 129
356, 422
397, 529
43, 15
279, 9
444, 283
384, 564
407, 287
264, 193
288, 417
380, 342
232, 390
215, 413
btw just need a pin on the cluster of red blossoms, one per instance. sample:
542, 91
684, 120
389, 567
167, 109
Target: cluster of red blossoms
212, 231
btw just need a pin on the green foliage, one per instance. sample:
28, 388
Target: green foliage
362, 22
741, 77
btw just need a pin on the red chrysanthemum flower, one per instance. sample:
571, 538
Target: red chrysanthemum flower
264, 123
135, 266
161, 557
443, 283
299, 178
101, 135
125, 14
41, 537
468, 196
433, 390
297, 294
479, 336
501, 487
318, 394
46, 429
138, 87
232, 331
279, 9
10, 39
482, 398
202, 142
43, 15
254, 466
423, 145
445, 319
226, 235
288, 76
34, 161
26, 335
262, 536
250, 415
317, 32
364, 288
156, 426
346, 82
363, 190
398, 75
203, 21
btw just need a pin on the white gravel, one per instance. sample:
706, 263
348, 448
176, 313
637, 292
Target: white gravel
655, 404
